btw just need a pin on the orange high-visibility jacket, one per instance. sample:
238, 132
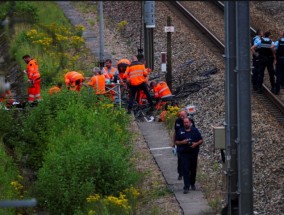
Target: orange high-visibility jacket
54, 89
72, 77
98, 83
32, 70
113, 71
136, 73
162, 90
67, 77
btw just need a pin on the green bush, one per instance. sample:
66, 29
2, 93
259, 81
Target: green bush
4, 9
87, 151
8, 172
25, 10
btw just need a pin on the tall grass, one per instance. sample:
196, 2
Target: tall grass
51, 39
9, 173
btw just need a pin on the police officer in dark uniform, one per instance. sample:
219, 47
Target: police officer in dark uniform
255, 59
266, 57
178, 125
188, 140
279, 47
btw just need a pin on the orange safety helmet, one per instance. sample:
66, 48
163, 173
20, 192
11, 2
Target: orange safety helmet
122, 64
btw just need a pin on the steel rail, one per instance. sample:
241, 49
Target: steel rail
221, 6
199, 25
267, 93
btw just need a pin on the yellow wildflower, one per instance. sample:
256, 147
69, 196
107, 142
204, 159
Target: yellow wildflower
93, 198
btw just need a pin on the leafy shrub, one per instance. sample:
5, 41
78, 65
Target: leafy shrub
122, 25
171, 116
25, 10
4, 9
84, 149
8, 172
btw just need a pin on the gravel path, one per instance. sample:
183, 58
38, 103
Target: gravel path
191, 44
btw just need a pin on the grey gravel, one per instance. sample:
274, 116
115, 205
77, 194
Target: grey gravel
189, 44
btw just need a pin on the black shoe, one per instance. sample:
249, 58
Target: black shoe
179, 177
193, 187
185, 191
129, 111
254, 87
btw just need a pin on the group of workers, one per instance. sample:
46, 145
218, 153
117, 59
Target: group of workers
133, 75
266, 54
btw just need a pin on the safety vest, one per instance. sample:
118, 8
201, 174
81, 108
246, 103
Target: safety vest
136, 73
162, 90
265, 50
98, 84
75, 77
67, 77
54, 89
280, 49
110, 72
72, 77
32, 70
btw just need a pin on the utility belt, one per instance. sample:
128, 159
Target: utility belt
37, 79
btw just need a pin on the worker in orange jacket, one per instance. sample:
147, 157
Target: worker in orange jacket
121, 66
110, 70
161, 91
97, 82
55, 89
136, 74
33, 79
74, 80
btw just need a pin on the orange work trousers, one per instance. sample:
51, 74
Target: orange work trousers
34, 91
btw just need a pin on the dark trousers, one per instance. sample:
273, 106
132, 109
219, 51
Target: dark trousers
189, 166
279, 74
179, 169
255, 63
265, 63
133, 90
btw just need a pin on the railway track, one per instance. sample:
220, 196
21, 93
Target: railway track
275, 106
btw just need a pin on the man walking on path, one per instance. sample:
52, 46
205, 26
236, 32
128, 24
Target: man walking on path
188, 140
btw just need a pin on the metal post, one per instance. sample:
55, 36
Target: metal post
149, 14
169, 55
244, 109
101, 34
18, 203
231, 104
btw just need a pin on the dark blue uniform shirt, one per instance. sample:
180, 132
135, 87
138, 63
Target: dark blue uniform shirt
193, 134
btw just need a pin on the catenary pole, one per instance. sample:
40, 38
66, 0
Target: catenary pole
169, 55
101, 34
244, 109
231, 104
